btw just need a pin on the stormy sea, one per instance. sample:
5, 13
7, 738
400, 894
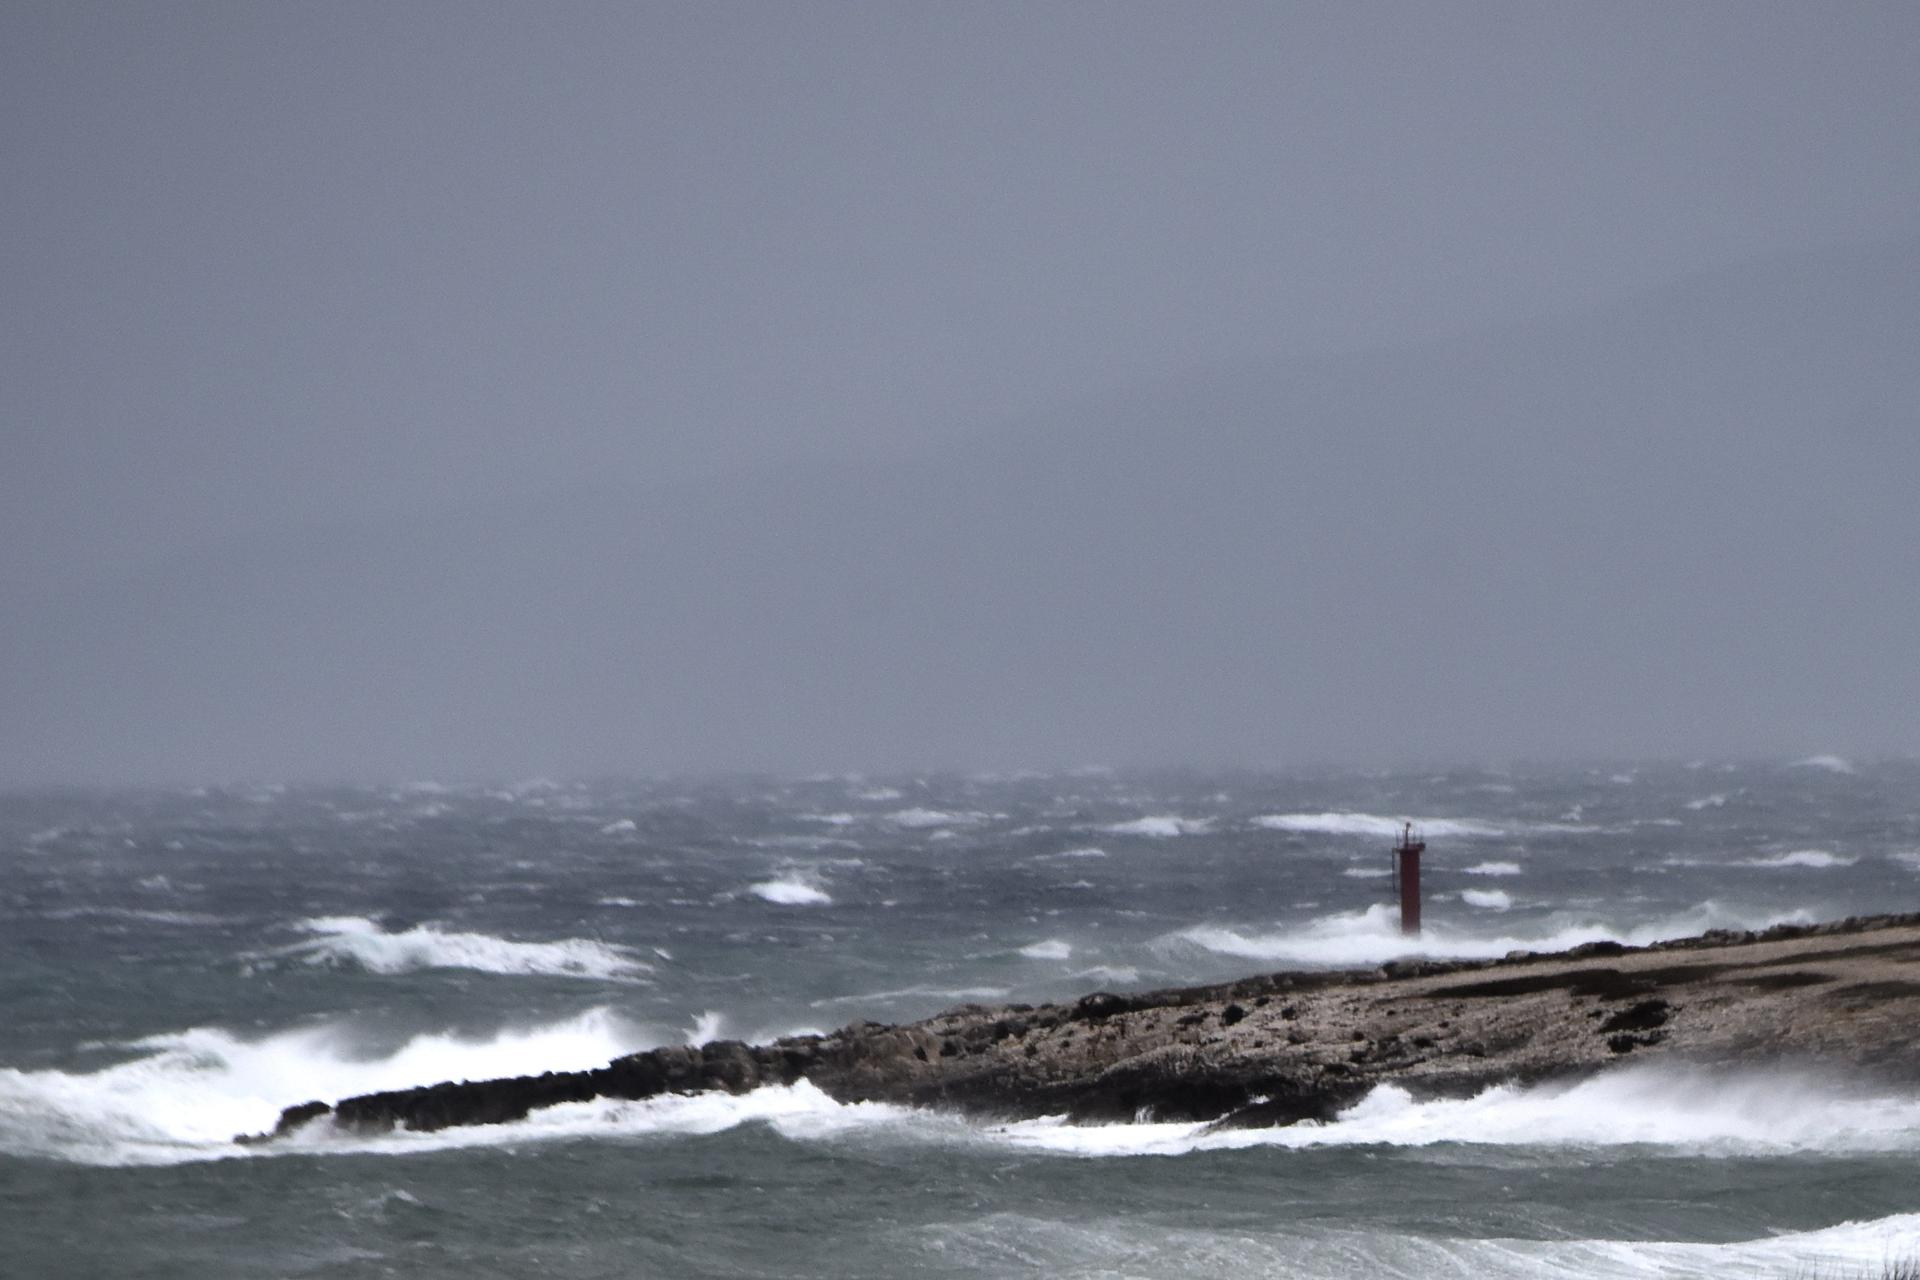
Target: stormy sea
177, 966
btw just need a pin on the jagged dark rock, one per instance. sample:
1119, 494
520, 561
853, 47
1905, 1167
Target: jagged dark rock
290, 1119
1846, 993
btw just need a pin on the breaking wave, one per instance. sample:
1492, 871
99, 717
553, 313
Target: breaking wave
916, 819
356, 940
1160, 827
1371, 824
187, 1093
1679, 1111
1813, 858
1371, 936
706, 1028
798, 1111
789, 892
1689, 1111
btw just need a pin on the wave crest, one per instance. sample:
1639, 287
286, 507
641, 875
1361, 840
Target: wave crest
1816, 859
1371, 824
790, 891
1160, 826
356, 940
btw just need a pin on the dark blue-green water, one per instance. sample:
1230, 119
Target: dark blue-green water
177, 967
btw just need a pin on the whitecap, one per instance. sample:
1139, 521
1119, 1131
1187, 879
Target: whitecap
1717, 800
1816, 859
1490, 899
1161, 826
1829, 763
1051, 949
790, 891
1371, 824
620, 827
918, 818
1492, 869
1367, 873
356, 940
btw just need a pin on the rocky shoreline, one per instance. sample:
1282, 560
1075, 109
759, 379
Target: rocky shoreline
1287, 1047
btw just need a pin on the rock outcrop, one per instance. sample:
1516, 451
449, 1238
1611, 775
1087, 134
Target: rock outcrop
1293, 1046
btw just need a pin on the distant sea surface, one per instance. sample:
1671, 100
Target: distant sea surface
176, 967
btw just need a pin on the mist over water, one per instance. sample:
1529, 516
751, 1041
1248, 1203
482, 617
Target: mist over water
181, 965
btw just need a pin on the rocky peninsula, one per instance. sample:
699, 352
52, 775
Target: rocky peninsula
1288, 1047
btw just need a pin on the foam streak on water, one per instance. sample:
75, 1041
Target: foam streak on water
1016, 1243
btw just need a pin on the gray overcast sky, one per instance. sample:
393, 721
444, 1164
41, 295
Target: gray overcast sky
273, 267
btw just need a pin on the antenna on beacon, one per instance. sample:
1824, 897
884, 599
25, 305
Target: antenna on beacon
1406, 879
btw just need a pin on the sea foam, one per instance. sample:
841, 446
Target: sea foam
1688, 1110
356, 940
799, 1112
1160, 826
1816, 859
186, 1094
1094, 1245
1371, 936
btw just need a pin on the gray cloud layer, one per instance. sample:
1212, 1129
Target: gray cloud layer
468, 389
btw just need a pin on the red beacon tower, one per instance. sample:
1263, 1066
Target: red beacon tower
1406, 878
